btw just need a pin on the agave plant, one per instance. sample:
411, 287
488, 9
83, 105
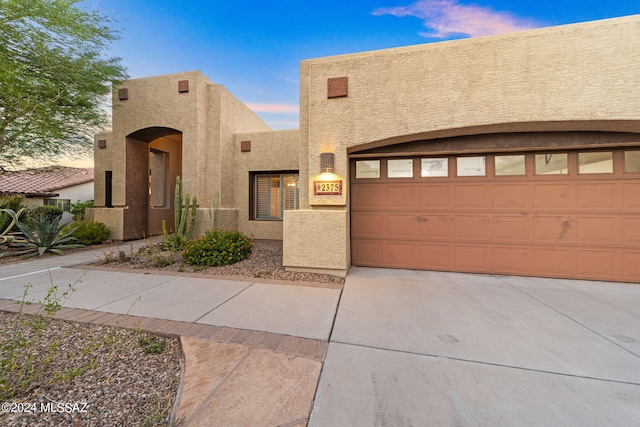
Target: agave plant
5, 238
47, 235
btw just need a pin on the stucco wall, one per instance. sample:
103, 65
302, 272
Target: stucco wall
315, 240
207, 116
574, 77
270, 151
81, 192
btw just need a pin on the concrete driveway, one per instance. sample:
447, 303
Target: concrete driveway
413, 348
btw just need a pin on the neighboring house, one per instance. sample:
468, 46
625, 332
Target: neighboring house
510, 154
51, 185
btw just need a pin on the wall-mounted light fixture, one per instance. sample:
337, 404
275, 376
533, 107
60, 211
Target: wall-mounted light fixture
327, 183
326, 162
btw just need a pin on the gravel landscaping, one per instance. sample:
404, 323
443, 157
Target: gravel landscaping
265, 262
89, 375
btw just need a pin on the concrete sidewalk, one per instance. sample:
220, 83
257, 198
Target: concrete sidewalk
300, 311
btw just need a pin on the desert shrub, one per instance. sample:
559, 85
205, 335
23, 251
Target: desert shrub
78, 209
48, 212
218, 247
162, 259
174, 242
89, 232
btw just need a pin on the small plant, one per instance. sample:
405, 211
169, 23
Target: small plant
78, 209
162, 259
262, 273
173, 241
152, 344
89, 232
46, 236
217, 248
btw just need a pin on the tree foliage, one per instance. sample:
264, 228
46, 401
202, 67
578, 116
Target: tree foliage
53, 77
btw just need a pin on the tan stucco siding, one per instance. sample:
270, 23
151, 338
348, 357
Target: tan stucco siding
583, 74
105, 159
270, 151
235, 117
316, 240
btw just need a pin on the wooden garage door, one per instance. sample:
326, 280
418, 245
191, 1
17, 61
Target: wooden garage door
573, 214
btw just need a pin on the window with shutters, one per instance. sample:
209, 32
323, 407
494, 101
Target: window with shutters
274, 193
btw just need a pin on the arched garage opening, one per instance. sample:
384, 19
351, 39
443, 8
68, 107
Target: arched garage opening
550, 204
153, 160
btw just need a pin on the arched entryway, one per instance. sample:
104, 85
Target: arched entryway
153, 160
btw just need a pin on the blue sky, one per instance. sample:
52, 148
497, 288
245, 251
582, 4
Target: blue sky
254, 47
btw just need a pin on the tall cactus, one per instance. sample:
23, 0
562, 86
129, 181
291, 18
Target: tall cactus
184, 223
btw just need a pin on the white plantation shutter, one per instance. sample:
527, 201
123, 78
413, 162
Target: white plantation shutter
290, 190
263, 196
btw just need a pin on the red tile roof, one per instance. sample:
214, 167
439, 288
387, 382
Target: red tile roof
43, 182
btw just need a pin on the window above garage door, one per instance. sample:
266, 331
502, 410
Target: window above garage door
584, 163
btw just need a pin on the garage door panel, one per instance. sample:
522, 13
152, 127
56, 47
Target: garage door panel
367, 225
512, 228
435, 196
631, 266
367, 253
506, 197
400, 226
435, 226
402, 255
596, 264
597, 230
368, 196
511, 260
472, 196
596, 196
473, 227
631, 231
437, 257
473, 258
401, 197
555, 229
631, 196
555, 262
553, 197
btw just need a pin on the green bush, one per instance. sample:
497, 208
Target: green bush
217, 248
78, 209
48, 212
89, 232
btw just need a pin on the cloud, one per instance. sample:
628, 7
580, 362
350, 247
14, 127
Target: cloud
273, 108
448, 18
